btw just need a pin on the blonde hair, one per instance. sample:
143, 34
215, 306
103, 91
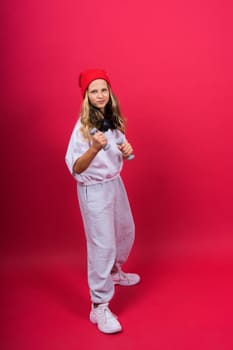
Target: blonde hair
91, 116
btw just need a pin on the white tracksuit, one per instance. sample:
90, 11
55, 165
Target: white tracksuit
105, 209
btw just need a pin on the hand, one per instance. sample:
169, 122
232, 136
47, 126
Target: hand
126, 149
99, 140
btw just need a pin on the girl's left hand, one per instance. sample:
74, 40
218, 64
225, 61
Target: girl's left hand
126, 149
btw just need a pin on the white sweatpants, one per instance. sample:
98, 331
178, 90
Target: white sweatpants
110, 231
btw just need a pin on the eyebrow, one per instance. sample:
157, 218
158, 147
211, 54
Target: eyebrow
94, 90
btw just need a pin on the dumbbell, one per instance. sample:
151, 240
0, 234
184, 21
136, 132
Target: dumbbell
119, 141
92, 132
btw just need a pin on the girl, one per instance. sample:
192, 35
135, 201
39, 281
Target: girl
94, 157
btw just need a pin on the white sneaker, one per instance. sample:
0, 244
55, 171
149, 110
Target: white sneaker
104, 318
125, 279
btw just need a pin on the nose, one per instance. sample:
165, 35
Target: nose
100, 94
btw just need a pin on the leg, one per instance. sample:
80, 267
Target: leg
125, 234
96, 205
124, 225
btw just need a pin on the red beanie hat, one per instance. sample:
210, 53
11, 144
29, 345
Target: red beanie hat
86, 77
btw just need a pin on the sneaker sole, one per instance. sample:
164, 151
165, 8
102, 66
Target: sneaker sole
116, 330
125, 284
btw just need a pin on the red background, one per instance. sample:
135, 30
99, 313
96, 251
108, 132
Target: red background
170, 64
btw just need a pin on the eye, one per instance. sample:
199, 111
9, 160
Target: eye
93, 92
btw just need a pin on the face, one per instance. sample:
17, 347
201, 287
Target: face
98, 93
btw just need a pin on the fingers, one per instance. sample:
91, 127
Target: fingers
99, 140
126, 149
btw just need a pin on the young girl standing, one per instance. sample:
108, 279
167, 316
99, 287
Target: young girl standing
95, 155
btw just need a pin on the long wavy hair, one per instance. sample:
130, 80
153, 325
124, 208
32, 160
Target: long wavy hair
92, 117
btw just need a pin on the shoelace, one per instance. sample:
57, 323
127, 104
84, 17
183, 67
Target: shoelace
107, 314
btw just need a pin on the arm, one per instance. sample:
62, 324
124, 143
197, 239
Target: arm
83, 162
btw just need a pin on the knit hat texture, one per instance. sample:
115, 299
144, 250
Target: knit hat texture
87, 76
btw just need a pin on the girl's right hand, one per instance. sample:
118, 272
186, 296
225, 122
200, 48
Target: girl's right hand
99, 140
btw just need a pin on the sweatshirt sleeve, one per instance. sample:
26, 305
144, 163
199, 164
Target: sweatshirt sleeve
76, 147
